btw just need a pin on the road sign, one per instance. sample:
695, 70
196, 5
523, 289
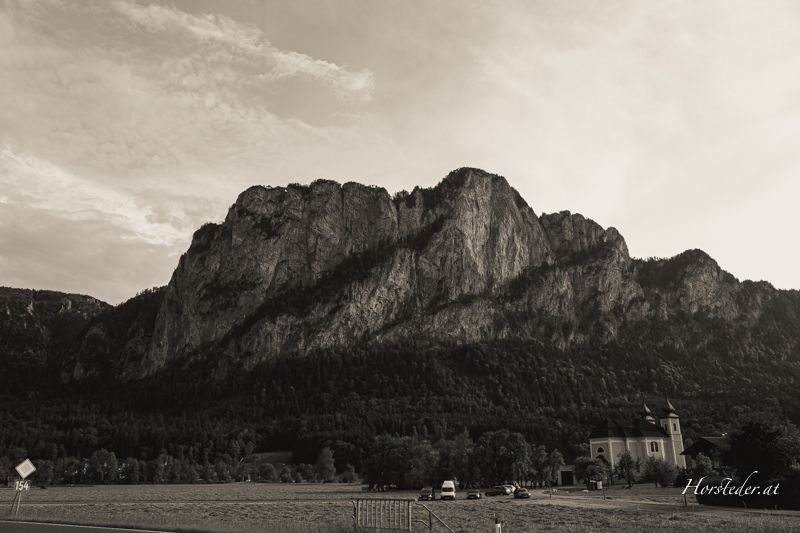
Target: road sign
25, 468
22, 485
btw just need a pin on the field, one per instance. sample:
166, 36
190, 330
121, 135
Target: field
312, 508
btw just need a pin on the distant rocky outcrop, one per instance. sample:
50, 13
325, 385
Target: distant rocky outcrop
34, 324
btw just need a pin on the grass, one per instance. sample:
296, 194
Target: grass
182, 525
307, 508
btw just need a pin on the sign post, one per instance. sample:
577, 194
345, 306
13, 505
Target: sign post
24, 469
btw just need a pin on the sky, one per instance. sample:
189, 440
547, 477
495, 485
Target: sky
124, 125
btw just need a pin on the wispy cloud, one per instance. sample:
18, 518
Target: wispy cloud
245, 44
32, 183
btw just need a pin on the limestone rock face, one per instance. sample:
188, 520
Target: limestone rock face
273, 239
301, 268
469, 236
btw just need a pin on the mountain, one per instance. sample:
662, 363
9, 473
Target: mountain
303, 268
331, 313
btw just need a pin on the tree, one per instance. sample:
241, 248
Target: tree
423, 465
539, 465
222, 471
627, 468
267, 472
349, 475
582, 450
591, 469
325, 468
130, 470
456, 459
306, 472
756, 449
502, 456
389, 461
286, 475
102, 466
44, 472
658, 471
556, 461
703, 466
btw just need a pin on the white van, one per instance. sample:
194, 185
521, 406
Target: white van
448, 490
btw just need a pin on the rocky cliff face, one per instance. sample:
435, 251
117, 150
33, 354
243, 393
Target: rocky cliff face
425, 251
309, 267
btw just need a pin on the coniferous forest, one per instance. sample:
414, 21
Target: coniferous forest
180, 426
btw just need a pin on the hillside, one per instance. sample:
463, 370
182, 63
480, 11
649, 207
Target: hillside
335, 312
298, 269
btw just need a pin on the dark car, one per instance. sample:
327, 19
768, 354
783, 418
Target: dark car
499, 490
473, 494
427, 494
522, 492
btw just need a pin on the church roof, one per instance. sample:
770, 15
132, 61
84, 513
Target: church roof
616, 427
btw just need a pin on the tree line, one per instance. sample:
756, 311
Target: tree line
497, 457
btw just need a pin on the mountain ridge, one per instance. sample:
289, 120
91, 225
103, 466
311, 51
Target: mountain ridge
301, 268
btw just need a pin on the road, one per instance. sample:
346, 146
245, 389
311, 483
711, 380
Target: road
7, 526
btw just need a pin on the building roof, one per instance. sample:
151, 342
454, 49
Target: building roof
705, 445
616, 427
645, 413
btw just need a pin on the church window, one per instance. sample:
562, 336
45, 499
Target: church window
600, 449
653, 447
674, 427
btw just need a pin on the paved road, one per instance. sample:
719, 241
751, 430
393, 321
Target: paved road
32, 527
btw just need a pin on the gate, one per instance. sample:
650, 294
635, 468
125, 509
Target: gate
386, 515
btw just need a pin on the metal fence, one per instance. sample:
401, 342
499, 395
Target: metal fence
370, 514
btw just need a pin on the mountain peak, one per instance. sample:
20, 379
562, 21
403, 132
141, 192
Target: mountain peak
307, 267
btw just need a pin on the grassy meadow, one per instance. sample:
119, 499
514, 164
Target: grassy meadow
315, 508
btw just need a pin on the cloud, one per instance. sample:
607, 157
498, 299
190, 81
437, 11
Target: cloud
133, 124
236, 42
29, 182
83, 255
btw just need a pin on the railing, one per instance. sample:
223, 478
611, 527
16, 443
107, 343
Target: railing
431, 516
386, 515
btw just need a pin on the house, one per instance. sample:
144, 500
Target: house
565, 475
708, 446
642, 437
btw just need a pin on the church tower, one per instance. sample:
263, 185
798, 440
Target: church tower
646, 415
671, 423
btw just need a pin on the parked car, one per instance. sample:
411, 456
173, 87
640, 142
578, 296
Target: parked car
473, 494
510, 488
427, 494
499, 490
522, 492
448, 490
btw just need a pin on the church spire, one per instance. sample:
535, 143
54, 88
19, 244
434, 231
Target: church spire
668, 409
645, 413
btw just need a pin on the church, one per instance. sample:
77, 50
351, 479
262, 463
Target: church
643, 437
